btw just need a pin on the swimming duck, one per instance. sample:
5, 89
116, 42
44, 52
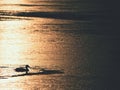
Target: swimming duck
23, 69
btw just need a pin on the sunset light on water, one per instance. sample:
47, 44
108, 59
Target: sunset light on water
56, 45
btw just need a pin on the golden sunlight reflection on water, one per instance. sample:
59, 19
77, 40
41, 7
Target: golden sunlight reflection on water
14, 6
27, 42
43, 42
35, 32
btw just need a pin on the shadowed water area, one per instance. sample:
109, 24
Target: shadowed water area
68, 44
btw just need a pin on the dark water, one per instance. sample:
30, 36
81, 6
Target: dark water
77, 37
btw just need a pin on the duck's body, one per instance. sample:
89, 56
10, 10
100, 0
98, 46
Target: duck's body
23, 69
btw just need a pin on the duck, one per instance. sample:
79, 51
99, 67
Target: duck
23, 69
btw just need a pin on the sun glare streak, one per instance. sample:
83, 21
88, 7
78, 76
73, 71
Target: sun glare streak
13, 5
11, 43
12, 1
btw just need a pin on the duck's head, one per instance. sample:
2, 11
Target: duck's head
27, 66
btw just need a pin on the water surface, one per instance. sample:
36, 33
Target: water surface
65, 35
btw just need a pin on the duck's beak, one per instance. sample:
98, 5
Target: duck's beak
29, 67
